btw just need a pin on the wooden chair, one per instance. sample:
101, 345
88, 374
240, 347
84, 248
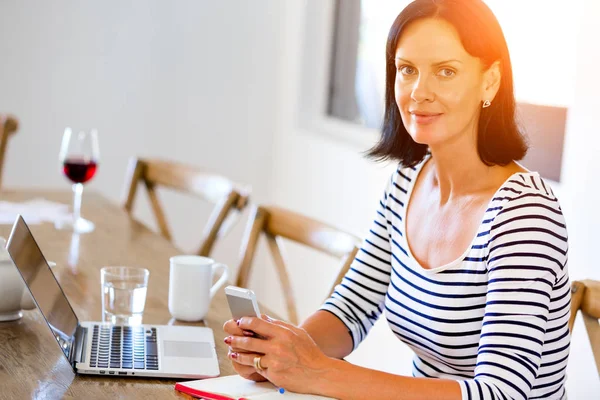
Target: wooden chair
8, 126
585, 296
277, 223
227, 197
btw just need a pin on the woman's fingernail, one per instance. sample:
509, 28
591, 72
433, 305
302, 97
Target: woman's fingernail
227, 340
234, 356
238, 322
248, 333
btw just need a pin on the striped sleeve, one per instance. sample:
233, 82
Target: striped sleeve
358, 300
527, 260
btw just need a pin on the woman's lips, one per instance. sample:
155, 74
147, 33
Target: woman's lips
424, 118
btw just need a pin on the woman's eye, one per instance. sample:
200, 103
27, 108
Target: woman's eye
407, 70
447, 73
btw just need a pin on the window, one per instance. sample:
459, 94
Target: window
542, 53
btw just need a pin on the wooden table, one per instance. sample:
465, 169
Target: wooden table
31, 364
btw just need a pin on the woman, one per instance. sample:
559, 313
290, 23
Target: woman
467, 254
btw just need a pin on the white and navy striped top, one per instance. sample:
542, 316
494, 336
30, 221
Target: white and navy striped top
496, 318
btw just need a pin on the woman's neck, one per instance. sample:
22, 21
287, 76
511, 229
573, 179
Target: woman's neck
457, 171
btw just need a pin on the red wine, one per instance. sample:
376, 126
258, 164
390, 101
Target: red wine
79, 171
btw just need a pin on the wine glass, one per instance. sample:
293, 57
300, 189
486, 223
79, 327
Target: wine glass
79, 155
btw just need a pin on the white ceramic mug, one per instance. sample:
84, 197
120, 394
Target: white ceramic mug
190, 290
15, 296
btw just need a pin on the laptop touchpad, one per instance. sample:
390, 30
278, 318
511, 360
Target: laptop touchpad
187, 349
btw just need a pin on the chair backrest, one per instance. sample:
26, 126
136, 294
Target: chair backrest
227, 197
277, 223
8, 126
586, 297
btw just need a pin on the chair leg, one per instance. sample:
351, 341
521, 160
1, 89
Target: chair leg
250, 241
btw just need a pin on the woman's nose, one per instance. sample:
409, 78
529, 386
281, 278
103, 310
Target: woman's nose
422, 91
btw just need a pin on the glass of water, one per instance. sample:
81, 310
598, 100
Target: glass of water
123, 294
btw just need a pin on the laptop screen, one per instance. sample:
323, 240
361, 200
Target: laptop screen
44, 287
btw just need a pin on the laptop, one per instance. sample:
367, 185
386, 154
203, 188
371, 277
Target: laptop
98, 348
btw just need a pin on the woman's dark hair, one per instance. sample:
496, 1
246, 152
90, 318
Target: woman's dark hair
499, 140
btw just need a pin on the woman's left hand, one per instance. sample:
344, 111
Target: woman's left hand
291, 360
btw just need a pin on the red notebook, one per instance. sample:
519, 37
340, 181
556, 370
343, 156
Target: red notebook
237, 388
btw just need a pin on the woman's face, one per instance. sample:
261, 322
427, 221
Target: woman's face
439, 87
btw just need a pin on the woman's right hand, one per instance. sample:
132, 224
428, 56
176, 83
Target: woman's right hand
231, 328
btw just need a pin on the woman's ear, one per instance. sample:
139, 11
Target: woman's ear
491, 81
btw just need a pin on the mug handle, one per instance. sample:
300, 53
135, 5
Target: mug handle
222, 279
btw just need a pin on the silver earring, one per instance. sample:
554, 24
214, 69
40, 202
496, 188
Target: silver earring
486, 104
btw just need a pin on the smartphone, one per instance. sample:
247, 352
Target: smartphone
242, 302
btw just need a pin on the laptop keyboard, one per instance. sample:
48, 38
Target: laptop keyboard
125, 347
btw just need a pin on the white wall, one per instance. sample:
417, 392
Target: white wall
186, 80
327, 177
580, 188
